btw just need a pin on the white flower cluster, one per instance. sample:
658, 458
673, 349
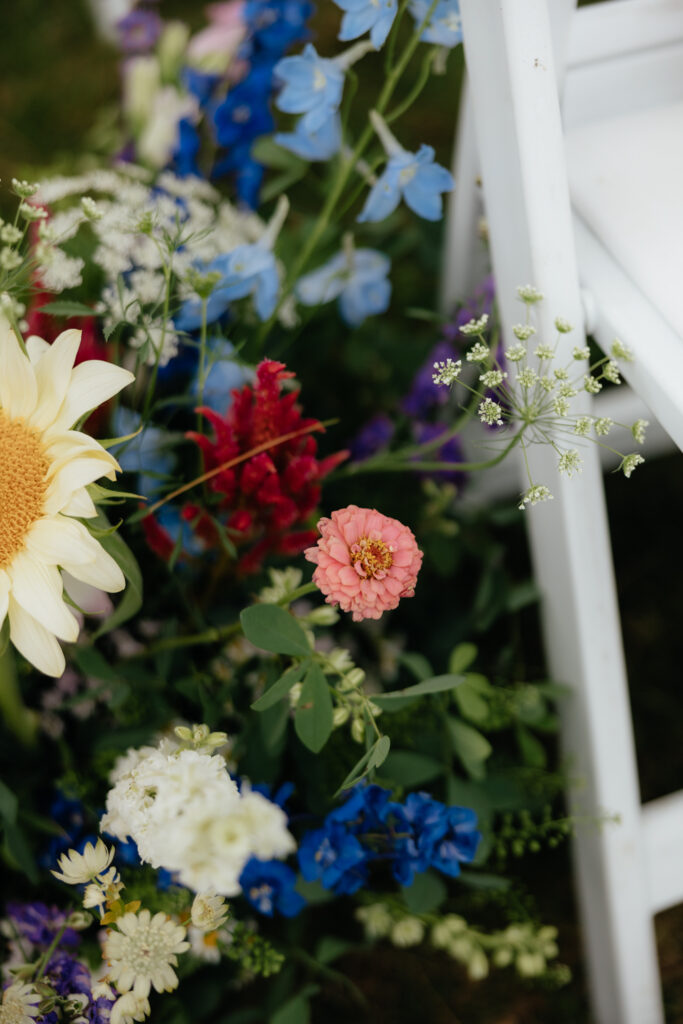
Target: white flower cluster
534, 398
145, 231
187, 815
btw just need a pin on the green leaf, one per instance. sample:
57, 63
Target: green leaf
372, 758
4, 635
313, 716
484, 880
331, 947
281, 686
65, 307
283, 181
471, 704
522, 595
19, 852
95, 665
131, 602
399, 698
273, 629
471, 747
425, 894
417, 664
531, 748
267, 152
313, 892
296, 1010
462, 657
412, 769
8, 803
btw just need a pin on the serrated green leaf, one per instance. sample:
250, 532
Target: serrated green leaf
8, 803
313, 716
462, 657
274, 629
425, 894
66, 307
399, 698
408, 768
281, 686
470, 746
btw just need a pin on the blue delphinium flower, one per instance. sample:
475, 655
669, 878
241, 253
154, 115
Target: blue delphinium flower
224, 374
318, 145
147, 454
269, 886
357, 277
377, 16
445, 24
413, 177
432, 835
458, 845
335, 857
312, 85
249, 269
277, 24
365, 809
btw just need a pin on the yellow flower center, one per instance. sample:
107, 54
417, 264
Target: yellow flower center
23, 470
371, 557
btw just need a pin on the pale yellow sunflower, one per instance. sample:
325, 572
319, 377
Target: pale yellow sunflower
45, 468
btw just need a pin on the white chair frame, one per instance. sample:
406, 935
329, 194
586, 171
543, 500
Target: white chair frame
511, 130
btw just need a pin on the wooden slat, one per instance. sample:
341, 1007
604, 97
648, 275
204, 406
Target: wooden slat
663, 825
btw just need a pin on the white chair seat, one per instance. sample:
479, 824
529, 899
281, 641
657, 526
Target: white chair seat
626, 181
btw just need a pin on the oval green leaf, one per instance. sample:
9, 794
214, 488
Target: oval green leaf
273, 629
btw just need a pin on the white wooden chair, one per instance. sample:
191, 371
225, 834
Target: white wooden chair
617, 68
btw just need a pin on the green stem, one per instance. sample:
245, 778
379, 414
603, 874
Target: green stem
346, 167
386, 466
155, 372
423, 77
18, 717
45, 959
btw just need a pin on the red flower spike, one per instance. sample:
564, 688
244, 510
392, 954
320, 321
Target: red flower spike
266, 500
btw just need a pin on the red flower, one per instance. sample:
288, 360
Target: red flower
266, 500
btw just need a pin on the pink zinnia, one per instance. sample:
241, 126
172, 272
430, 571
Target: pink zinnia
366, 561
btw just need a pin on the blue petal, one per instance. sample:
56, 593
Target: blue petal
383, 199
425, 202
319, 145
382, 27
357, 23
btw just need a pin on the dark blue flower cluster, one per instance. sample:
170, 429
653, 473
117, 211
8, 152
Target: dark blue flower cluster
243, 114
413, 836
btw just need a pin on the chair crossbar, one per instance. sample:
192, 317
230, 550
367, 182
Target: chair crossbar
602, 31
663, 828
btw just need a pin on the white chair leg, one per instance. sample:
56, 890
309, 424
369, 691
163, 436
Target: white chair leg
516, 113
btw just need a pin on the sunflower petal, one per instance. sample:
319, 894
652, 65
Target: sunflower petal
57, 540
38, 589
18, 387
104, 573
53, 374
34, 641
92, 383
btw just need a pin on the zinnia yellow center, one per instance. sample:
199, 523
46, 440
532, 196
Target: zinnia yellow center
23, 470
373, 557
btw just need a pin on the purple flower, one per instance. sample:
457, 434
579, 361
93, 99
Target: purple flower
39, 924
139, 31
373, 437
68, 976
450, 451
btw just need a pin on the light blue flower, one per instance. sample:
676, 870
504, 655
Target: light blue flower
358, 278
312, 86
148, 454
224, 374
377, 16
445, 24
415, 178
319, 145
247, 270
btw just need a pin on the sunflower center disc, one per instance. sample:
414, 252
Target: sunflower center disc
23, 469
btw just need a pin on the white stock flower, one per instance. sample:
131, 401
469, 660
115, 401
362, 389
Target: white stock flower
78, 868
407, 932
45, 467
19, 1004
143, 953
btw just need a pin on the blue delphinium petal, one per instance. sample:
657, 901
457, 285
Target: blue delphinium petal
224, 374
363, 15
249, 269
268, 885
445, 25
334, 857
358, 279
312, 86
414, 176
148, 454
318, 145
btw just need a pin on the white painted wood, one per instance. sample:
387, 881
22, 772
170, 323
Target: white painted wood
663, 826
603, 31
517, 118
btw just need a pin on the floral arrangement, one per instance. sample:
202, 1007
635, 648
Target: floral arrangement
359, 747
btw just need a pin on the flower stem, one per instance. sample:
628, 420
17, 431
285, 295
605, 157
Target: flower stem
18, 717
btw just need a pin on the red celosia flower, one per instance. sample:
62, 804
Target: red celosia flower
267, 499
366, 562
